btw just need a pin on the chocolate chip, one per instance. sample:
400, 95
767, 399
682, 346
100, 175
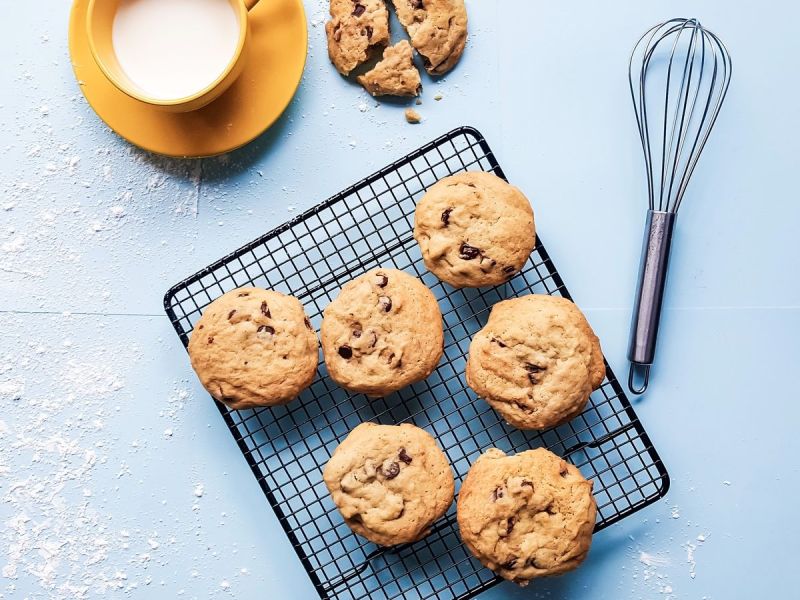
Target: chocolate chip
346, 352
381, 280
510, 525
497, 494
266, 329
359, 10
446, 216
532, 563
402, 455
308, 323
356, 333
200, 326
532, 371
416, 4
527, 483
468, 252
510, 563
391, 356
563, 471
550, 510
230, 314
211, 339
392, 471
367, 31
243, 294
499, 342
385, 303
265, 310
374, 339
509, 269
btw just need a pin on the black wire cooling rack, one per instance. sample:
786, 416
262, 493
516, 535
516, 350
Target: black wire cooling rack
367, 225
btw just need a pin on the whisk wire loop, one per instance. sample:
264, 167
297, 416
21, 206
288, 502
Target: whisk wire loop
695, 68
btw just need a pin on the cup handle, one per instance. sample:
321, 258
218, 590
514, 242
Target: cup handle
249, 4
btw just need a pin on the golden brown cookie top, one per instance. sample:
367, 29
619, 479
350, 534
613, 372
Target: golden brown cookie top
536, 361
254, 347
383, 332
474, 229
527, 515
390, 482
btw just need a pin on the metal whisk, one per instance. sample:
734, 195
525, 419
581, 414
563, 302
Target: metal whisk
679, 74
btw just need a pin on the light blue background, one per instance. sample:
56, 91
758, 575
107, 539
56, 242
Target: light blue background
92, 232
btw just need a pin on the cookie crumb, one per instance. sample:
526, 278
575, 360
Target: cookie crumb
413, 116
419, 101
438, 96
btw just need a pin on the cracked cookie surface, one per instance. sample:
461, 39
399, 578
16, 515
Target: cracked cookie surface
254, 347
390, 482
438, 30
355, 28
395, 74
383, 332
526, 516
474, 229
536, 362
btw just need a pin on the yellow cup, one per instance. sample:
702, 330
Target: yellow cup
99, 27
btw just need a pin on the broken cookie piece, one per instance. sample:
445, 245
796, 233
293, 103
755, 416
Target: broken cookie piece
413, 116
356, 28
438, 30
395, 74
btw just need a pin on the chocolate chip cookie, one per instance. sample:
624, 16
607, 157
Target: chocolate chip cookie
474, 229
438, 30
395, 74
536, 361
254, 347
355, 29
390, 482
382, 333
526, 516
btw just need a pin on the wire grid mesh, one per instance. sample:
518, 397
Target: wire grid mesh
370, 224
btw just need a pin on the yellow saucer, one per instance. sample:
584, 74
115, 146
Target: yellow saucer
277, 50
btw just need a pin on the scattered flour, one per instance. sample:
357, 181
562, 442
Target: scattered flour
50, 448
653, 560
655, 570
690, 550
11, 390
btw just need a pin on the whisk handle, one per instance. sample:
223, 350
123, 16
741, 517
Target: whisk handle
649, 294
